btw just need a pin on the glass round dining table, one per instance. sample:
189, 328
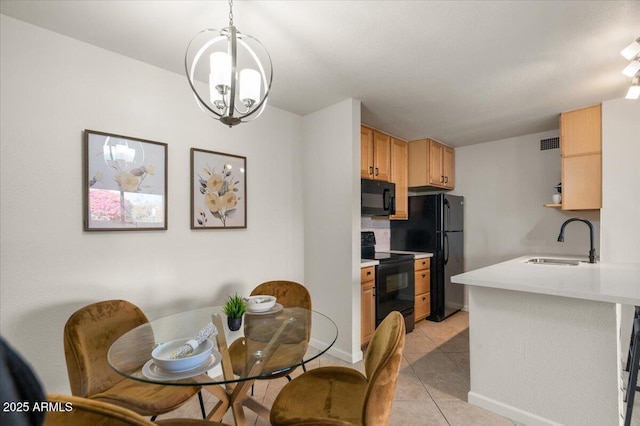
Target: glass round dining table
268, 345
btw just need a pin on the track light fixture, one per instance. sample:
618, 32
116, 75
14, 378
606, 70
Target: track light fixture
634, 90
632, 69
632, 52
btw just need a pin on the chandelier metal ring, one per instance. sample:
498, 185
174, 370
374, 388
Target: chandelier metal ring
225, 108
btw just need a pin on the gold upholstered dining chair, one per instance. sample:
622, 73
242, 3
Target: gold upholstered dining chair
289, 294
88, 335
343, 396
78, 411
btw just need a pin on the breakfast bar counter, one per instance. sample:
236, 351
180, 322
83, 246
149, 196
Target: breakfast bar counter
544, 339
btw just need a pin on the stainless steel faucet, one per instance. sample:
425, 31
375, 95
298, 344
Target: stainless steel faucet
592, 250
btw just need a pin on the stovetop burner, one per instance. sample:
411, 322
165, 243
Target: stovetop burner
368, 250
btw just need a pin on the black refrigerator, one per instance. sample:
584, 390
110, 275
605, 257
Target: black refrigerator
435, 225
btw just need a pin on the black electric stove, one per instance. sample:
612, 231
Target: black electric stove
395, 288
368, 250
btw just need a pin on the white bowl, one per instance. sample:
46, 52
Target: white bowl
260, 303
162, 355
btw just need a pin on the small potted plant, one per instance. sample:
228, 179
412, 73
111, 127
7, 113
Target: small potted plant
234, 309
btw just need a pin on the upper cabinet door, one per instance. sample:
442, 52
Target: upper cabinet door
436, 174
399, 152
418, 163
581, 131
381, 156
366, 152
448, 163
582, 182
581, 142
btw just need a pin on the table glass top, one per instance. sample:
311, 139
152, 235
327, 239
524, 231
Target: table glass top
265, 345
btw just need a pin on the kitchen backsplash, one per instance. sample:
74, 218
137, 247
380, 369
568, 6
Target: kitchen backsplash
381, 228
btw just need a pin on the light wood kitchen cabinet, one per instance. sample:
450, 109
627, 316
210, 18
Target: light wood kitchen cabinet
448, 167
366, 152
581, 148
367, 303
375, 154
582, 182
422, 278
399, 175
581, 131
431, 165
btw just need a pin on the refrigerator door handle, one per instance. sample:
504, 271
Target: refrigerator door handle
447, 218
446, 247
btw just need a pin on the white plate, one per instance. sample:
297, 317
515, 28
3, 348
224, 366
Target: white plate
152, 371
274, 310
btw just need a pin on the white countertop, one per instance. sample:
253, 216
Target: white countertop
416, 254
368, 262
603, 282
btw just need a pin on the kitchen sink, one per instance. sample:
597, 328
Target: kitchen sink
549, 261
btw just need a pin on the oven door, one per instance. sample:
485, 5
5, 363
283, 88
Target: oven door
395, 289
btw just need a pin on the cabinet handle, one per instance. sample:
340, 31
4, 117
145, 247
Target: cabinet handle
424, 298
446, 179
370, 170
377, 171
368, 272
423, 275
441, 179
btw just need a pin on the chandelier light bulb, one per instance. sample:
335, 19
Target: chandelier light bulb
249, 86
631, 51
220, 71
631, 69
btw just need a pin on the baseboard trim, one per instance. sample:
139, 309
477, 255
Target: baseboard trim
508, 411
338, 353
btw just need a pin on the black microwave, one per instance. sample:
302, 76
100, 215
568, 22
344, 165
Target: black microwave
377, 198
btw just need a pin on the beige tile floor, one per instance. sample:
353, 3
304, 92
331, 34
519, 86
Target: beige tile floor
432, 385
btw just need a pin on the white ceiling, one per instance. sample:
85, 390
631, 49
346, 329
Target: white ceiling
463, 72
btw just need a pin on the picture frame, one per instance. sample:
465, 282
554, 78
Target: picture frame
124, 183
218, 190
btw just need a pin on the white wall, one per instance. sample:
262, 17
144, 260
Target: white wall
621, 181
543, 360
331, 186
621, 200
52, 88
505, 184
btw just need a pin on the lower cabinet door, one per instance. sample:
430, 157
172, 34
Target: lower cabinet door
422, 306
368, 312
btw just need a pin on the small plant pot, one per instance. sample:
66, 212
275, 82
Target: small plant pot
234, 323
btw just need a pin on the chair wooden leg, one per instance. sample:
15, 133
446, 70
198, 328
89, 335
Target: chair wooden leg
204, 415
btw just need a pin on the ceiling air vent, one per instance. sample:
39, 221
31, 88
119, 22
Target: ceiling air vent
551, 143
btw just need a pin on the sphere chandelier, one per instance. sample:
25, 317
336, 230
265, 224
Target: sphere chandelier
232, 97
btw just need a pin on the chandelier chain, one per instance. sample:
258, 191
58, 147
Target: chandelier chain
230, 13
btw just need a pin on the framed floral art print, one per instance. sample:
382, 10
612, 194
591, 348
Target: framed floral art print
218, 190
125, 183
